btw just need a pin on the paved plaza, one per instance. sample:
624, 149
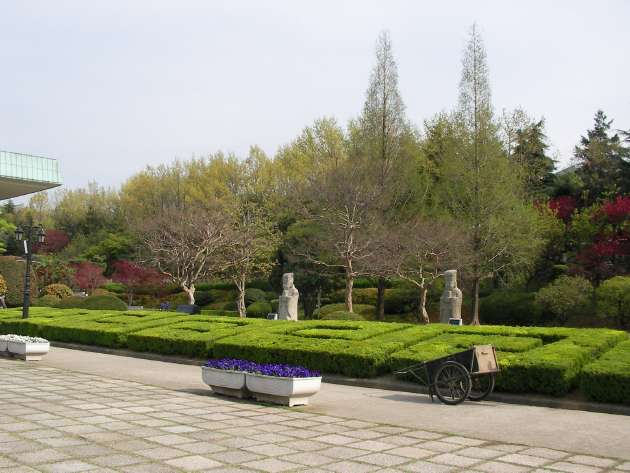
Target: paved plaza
59, 420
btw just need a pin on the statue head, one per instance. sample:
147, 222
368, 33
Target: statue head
287, 280
450, 279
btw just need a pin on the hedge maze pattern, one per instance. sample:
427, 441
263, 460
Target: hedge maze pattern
548, 360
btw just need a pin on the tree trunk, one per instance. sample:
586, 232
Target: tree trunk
422, 309
240, 302
130, 297
380, 299
349, 285
190, 292
475, 301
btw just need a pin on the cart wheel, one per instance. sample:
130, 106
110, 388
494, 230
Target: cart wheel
481, 386
452, 383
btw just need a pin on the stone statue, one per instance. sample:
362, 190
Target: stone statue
451, 300
288, 301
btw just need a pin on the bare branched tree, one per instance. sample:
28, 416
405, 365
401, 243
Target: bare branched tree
342, 207
419, 252
187, 247
249, 247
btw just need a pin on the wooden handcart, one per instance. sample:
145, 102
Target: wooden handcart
454, 378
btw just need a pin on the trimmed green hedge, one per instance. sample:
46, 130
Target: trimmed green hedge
608, 378
12, 269
532, 359
259, 309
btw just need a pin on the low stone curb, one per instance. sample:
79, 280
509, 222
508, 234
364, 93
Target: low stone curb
387, 382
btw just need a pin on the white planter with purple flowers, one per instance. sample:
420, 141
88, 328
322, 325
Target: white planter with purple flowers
27, 348
286, 391
226, 382
279, 384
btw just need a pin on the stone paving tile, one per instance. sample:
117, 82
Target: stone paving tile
440, 446
46, 455
454, 460
272, 465
69, 466
574, 467
500, 467
373, 445
545, 453
308, 458
351, 467
427, 467
193, 463
73, 423
592, 461
412, 452
480, 452
527, 460
343, 452
382, 459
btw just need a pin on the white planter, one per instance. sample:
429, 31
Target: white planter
29, 351
228, 383
3, 346
285, 391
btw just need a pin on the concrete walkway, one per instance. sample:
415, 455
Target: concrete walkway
577, 431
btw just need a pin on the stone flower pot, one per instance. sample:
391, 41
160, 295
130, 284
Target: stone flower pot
279, 390
29, 349
226, 382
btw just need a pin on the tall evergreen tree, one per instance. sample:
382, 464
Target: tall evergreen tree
382, 130
531, 152
483, 188
602, 158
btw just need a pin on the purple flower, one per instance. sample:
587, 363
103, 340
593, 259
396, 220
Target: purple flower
267, 369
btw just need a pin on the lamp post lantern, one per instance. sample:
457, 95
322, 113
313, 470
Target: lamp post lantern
29, 234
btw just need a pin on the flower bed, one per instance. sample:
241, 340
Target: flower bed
268, 382
27, 348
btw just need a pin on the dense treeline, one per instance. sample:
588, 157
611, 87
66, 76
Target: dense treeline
380, 201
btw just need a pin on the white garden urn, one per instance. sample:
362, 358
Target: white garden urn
286, 391
27, 348
226, 382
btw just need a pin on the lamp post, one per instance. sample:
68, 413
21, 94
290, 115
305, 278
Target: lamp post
29, 234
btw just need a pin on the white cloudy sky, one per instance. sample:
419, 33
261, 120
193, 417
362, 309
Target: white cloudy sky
110, 86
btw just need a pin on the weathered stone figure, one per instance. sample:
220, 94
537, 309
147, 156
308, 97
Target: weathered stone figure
288, 301
451, 300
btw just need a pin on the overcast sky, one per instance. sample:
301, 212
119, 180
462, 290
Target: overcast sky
110, 86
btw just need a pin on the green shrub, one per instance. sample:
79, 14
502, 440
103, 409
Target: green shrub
46, 301
114, 287
12, 270
565, 297
259, 309
262, 284
103, 292
223, 295
72, 302
221, 285
103, 303
58, 290
203, 297
341, 315
190, 336
613, 300
509, 308
220, 313
274, 305
254, 295
362, 283
608, 378
359, 296
400, 301
176, 299
364, 310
